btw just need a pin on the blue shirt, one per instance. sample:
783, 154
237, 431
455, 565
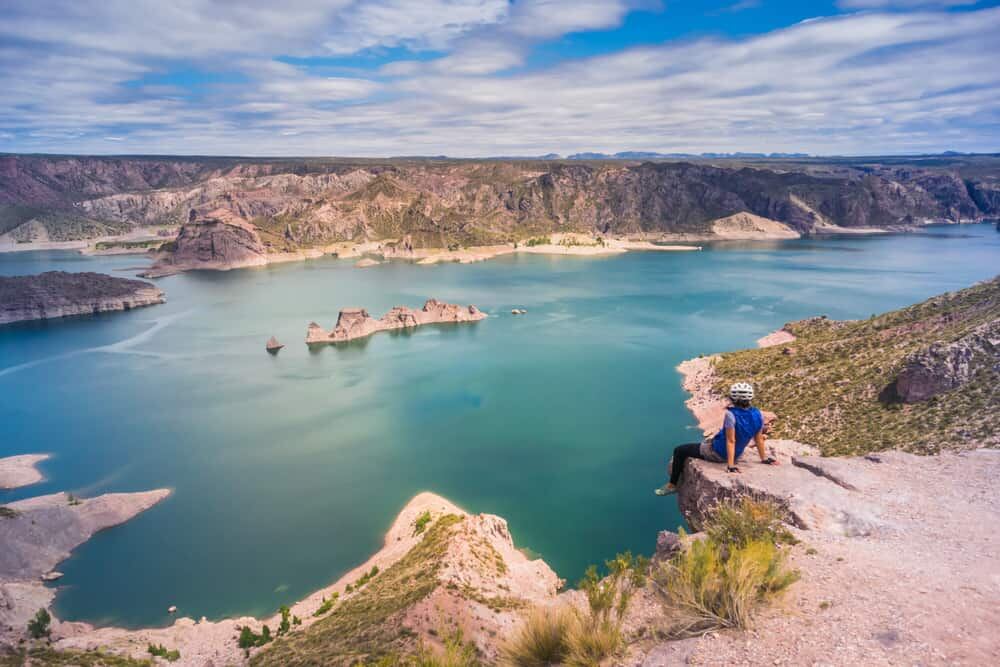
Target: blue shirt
747, 422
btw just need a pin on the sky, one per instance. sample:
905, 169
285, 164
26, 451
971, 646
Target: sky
470, 78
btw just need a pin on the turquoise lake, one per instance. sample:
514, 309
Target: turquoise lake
287, 470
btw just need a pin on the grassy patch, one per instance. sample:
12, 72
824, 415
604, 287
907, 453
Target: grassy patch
541, 640
829, 388
420, 523
51, 657
720, 581
361, 628
161, 651
327, 604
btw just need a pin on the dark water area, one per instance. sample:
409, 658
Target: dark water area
287, 469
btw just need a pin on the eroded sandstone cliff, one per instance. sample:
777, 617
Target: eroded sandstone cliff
353, 323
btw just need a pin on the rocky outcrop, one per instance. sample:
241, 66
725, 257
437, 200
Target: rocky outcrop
353, 323
273, 345
61, 294
18, 471
218, 240
816, 492
944, 367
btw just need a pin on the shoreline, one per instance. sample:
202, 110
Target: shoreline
698, 379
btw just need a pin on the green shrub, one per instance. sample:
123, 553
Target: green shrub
365, 578
160, 651
38, 626
541, 240
747, 519
420, 524
286, 623
250, 639
327, 605
542, 640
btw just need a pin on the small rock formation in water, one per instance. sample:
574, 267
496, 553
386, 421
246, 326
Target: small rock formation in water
60, 294
273, 345
946, 366
218, 240
366, 262
52, 576
518, 311
357, 323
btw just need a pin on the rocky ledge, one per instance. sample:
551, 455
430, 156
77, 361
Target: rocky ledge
898, 554
61, 294
355, 323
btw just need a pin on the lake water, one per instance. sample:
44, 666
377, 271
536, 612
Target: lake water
287, 470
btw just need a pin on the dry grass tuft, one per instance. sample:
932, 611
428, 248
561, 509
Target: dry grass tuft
720, 581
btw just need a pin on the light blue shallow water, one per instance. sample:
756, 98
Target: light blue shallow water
287, 470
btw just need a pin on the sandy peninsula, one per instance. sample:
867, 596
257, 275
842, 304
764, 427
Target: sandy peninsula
18, 471
38, 533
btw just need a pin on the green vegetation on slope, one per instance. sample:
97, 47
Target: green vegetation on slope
829, 387
51, 657
361, 628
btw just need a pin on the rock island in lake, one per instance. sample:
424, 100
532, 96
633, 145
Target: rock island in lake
60, 294
357, 323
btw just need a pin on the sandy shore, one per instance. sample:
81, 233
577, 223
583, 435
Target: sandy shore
89, 246
707, 406
18, 471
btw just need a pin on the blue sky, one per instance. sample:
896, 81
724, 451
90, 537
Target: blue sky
495, 77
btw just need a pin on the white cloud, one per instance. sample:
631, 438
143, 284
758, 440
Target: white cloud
859, 83
903, 4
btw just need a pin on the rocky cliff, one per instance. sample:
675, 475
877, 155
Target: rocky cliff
355, 323
216, 240
61, 294
303, 203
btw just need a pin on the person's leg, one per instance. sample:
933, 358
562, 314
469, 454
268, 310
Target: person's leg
681, 454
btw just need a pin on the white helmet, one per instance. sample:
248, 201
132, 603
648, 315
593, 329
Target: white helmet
741, 391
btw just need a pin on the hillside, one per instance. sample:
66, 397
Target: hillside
921, 379
304, 203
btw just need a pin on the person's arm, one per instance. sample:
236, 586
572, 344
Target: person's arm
730, 446
760, 439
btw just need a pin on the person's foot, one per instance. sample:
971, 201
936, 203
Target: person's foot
666, 490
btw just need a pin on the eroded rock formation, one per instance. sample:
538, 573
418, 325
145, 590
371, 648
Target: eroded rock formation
61, 294
355, 323
216, 240
947, 366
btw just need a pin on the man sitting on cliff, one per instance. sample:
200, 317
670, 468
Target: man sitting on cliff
742, 423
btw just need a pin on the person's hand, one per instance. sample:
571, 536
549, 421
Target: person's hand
732, 469
770, 461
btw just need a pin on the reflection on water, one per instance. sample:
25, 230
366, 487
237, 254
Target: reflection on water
287, 469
